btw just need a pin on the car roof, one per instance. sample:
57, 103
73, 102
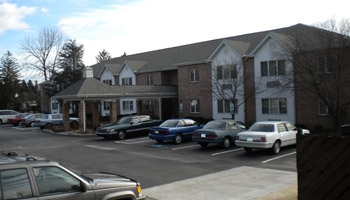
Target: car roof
13, 157
271, 122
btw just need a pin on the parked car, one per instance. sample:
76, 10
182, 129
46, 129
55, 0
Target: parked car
175, 130
15, 121
7, 115
49, 120
127, 125
30, 119
30, 177
268, 135
221, 132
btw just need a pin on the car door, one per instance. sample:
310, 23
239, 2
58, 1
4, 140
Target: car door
55, 183
283, 133
15, 184
292, 132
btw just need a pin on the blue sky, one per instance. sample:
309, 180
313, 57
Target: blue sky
135, 26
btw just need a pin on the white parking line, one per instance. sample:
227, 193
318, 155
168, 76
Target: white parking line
186, 147
266, 161
215, 154
131, 142
97, 147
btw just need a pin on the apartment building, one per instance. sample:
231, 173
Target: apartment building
248, 77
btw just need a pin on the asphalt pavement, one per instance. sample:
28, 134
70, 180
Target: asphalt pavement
241, 183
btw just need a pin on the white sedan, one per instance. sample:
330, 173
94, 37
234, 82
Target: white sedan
268, 135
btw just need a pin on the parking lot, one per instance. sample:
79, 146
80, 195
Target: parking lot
155, 166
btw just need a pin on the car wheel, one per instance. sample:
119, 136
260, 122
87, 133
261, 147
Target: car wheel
247, 149
226, 143
159, 141
276, 147
31, 124
178, 138
204, 145
121, 135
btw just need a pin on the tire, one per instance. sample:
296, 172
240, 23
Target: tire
204, 145
178, 138
247, 149
160, 141
0, 121
121, 135
276, 148
31, 124
226, 143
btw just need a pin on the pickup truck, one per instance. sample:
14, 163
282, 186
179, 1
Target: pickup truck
126, 126
49, 120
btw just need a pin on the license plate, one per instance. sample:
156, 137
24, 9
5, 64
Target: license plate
156, 132
203, 135
249, 139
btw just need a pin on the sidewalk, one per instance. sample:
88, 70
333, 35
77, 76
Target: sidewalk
242, 183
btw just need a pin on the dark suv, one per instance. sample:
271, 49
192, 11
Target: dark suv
27, 177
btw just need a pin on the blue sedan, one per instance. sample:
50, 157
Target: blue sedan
175, 130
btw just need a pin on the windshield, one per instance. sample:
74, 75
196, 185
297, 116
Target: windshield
169, 123
124, 120
215, 125
262, 127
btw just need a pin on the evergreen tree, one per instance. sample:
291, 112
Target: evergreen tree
70, 65
9, 79
102, 56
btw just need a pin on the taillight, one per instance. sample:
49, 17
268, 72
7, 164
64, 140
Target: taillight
166, 132
263, 139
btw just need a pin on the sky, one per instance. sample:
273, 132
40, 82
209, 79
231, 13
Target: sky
136, 26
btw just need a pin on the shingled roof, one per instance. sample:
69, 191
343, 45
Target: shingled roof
169, 58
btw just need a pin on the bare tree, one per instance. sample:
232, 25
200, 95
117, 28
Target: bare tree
102, 56
42, 50
322, 72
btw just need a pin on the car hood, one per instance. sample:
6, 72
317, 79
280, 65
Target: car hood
106, 180
112, 126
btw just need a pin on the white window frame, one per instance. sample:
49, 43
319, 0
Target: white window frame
275, 106
194, 106
193, 75
273, 68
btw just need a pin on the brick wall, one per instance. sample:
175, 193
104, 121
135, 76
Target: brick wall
200, 90
249, 89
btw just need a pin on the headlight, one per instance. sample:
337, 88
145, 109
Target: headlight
112, 130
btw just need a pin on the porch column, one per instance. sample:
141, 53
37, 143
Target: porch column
160, 108
65, 112
113, 111
82, 117
95, 115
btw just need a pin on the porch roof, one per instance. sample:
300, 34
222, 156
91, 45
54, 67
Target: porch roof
93, 89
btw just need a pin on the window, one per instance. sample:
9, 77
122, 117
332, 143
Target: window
323, 108
108, 82
274, 106
281, 128
273, 68
194, 75
53, 180
149, 80
226, 72
324, 66
54, 106
127, 81
128, 106
106, 105
194, 106
15, 184
224, 106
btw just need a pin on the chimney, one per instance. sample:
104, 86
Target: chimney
88, 72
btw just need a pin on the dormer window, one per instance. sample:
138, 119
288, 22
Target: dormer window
127, 81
